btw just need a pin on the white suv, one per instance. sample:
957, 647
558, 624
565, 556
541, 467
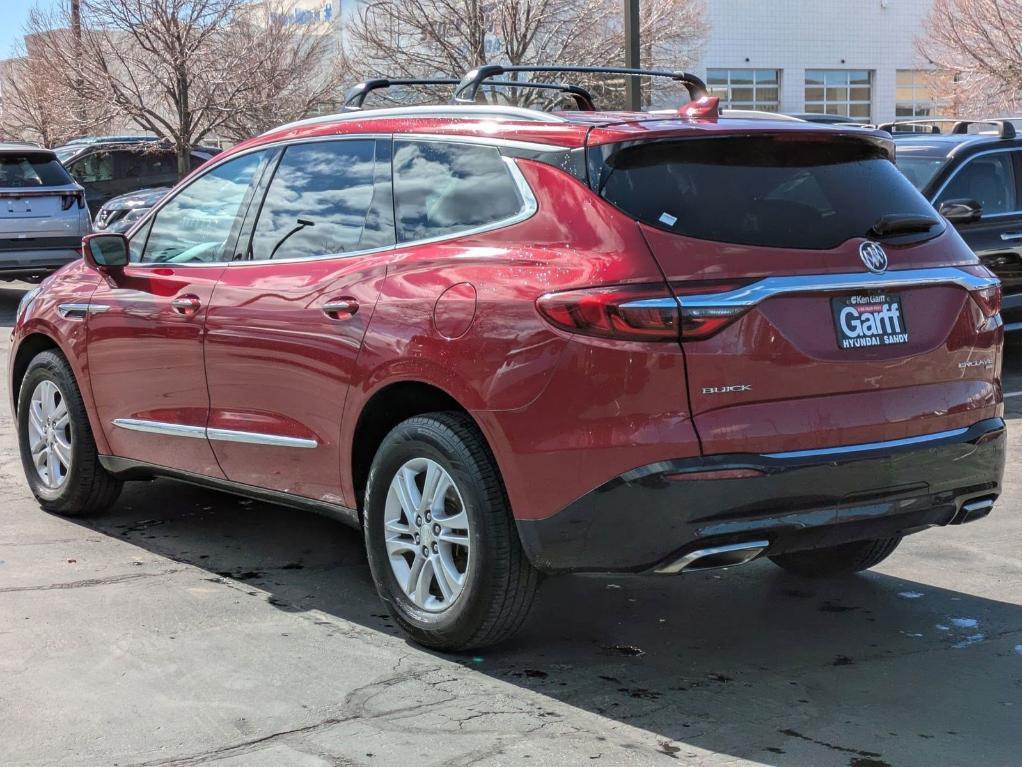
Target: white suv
43, 214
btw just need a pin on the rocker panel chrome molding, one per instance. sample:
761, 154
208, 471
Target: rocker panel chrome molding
254, 438
218, 435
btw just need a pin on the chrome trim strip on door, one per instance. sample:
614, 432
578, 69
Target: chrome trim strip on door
759, 291
158, 427
254, 438
867, 446
78, 311
220, 435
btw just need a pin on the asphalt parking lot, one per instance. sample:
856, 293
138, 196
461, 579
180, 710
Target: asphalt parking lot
191, 628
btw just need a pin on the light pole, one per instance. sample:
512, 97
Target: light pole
633, 87
76, 36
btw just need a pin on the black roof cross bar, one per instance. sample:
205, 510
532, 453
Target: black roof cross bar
356, 95
466, 91
1004, 128
892, 127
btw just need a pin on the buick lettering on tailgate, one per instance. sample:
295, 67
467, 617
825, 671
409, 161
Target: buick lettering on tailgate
875, 319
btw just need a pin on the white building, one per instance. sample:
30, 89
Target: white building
844, 57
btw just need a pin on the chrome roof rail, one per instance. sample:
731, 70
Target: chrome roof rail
466, 111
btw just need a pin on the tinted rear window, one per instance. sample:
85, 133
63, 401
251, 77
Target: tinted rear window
19, 171
757, 191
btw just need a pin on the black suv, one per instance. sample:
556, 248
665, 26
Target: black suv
973, 176
108, 167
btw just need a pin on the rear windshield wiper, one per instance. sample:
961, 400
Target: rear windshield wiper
901, 223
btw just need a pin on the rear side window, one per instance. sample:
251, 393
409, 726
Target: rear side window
18, 171
757, 191
326, 198
443, 189
93, 168
987, 179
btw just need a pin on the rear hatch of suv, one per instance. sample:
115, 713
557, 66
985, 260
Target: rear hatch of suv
39, 201
824, 302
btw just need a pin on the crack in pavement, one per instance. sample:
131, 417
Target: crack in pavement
89, 582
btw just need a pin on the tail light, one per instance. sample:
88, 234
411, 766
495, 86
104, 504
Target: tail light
70, 198
641, 312
987, 298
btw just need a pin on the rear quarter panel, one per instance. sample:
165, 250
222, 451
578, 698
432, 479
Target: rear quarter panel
508, 356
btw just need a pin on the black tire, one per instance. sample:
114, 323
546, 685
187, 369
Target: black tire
499, 582
834, 561
87, 487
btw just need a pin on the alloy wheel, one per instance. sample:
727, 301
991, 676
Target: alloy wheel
426, 530
50, 436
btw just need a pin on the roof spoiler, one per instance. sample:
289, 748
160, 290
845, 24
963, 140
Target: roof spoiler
469, 86
356, 96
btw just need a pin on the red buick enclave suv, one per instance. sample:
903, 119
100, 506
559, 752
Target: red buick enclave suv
505, 342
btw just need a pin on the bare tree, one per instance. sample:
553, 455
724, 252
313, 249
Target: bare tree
40, 107
185, 70
429, 38
293, 70
977, 45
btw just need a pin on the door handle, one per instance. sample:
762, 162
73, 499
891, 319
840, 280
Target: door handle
1010, 236
187, 304
341, 308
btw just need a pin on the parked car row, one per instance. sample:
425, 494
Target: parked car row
43, 213
110, 166
973, 176
505, 342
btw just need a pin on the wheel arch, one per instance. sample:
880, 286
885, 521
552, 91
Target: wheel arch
30, 347
385, 409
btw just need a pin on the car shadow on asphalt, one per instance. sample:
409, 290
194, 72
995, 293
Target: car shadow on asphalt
868, 671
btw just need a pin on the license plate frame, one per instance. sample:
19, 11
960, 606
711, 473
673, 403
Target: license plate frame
875, 319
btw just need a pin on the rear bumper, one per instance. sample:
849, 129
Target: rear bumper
28, 262
658, 513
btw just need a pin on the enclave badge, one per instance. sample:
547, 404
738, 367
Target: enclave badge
873, 256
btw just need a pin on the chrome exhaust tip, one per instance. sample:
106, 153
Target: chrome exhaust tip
731, 555
973, 510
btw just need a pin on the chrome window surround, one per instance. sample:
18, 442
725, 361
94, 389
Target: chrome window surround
216, 435
867, 446
989, 216
529, 203
759, 291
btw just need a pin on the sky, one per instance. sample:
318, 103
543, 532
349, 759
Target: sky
12, 18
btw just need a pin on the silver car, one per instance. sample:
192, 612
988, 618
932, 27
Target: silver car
43, 214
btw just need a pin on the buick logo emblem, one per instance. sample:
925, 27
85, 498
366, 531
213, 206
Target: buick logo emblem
873, 256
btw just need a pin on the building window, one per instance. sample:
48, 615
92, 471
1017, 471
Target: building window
914, 98
847, 92
746, 88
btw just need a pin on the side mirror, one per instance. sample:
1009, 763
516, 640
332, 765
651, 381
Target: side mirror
105, 251
961, 211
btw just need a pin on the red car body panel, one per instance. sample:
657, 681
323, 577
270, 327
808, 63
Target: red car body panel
268, 337
146, 362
